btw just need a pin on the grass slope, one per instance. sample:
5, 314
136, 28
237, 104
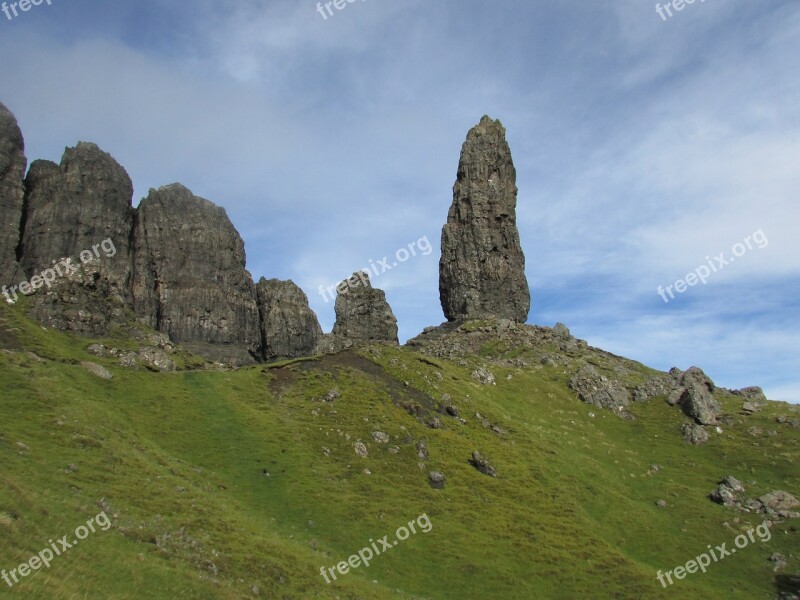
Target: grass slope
217, 481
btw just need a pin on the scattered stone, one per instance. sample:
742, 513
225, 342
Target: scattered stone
779, 501
661, 504
394, 450
361, 449
729, 492
380, 437
694, 434
437, 479
367, 472
779, 562
749, 408
97, 370
331, 395
482, 464
598, 390
422, 451
484, 376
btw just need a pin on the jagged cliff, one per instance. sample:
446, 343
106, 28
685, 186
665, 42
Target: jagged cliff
71, 240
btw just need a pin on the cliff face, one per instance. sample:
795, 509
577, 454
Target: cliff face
362, 312
289, 328
482, 268
12, 191
74, 207
189, 279
91, 263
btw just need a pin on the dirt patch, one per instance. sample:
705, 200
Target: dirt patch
408, 398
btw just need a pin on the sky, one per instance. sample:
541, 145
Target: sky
647, 147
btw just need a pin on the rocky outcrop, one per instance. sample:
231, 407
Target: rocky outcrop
189, 277
697, 397
482, 268
289, 328
600, 391
362, 312
71, 209
12, 190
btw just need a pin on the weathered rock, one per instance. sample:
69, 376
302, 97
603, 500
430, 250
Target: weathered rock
12, 192
698, 403
658, 385
484, 376
482, 464
422, 450
754, 394
694, 434
380, 437
437, 479
361, 449
80, 210
598, 390
97, 370
190, 280
779, 501
362, 312
482, 268
729, 492
289, 328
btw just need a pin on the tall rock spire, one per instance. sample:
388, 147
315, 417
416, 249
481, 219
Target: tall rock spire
482, 269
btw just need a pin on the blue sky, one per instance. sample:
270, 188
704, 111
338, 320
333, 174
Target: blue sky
642, 147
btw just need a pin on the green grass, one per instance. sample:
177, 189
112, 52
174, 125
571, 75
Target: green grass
216, 481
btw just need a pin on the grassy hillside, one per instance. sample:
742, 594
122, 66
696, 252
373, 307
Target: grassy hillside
228, 484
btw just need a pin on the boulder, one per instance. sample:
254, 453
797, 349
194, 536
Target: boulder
482, 464
694, 434
600, 391
482, 267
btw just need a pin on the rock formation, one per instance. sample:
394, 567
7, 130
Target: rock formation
12, 173
289, 328
189, 277
482, 268
75, 206
362, 312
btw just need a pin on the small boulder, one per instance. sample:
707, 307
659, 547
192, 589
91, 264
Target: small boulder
694, 434
729, 492
482, 464
380, 437
361, 449
97, 370
436, 479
